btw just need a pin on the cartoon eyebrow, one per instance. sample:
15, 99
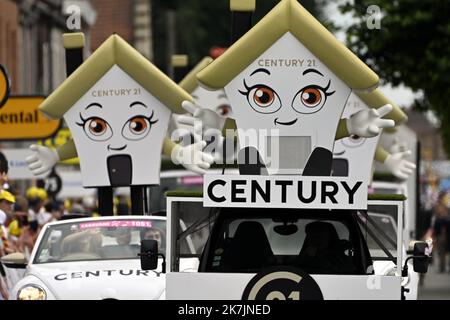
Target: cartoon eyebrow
94, 104
312, 70
260, 70
137, 103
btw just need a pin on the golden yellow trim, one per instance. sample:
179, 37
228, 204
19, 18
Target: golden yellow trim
289, 16
67, 151
381, 154
189, 82
180, 60
390, 130
342, 130
168, 146
73, 40
243, 5
114, 51
377, 99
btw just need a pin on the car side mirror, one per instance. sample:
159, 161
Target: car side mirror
420, 257
15, 260
149, 254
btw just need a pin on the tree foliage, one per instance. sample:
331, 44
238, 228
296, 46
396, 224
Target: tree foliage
203, 24
412, 47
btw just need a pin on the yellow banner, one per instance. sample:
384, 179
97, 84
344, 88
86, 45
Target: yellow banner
20, 119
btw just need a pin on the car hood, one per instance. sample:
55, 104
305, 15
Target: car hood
112, 279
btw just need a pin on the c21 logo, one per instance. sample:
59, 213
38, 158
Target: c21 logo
282, 283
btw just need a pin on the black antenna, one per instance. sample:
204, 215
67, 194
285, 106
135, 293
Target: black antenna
73, 45
241, 17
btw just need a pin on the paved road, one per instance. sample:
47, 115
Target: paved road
436, 286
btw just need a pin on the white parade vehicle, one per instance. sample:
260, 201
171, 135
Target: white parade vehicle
262, 251
93, 258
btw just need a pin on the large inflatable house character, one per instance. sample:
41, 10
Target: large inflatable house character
290, 76
353, 156
117, 106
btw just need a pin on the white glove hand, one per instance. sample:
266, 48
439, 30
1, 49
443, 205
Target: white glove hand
208, 118
368, 123
42, 160
192, 157
399, 166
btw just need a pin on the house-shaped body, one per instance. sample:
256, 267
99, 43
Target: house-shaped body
117, 106
353, 156
290, 76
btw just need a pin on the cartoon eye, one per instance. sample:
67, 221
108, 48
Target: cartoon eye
311, 98
138, 127
353, 141
262, 98
224, 110
96, 128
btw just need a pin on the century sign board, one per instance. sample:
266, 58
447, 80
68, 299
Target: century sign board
284, 192
20, 119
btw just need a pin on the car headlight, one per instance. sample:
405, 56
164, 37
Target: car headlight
31, 292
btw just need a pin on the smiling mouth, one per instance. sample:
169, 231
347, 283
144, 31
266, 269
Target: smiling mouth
116, 149
339, 153
290, 123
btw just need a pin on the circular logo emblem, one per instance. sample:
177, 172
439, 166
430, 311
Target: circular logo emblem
4, 86
282, 283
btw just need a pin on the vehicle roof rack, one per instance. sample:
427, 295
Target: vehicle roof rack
385, 176
398, 197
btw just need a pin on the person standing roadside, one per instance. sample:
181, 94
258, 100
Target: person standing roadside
441, 230
7, 201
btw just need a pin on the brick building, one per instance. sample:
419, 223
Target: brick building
9, 31
130, 19
31, 41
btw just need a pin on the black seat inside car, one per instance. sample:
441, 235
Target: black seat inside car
249, 249
322, 249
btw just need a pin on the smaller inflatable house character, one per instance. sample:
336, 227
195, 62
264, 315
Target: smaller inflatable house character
118, 106
354, 155
212, 107
290, 76
215, 101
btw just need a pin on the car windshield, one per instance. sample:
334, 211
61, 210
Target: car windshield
382, 224
98, 239
320, 243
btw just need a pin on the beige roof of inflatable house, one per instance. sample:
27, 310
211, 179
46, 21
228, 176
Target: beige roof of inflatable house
114, 51
377, 99
189, 82
289, 16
